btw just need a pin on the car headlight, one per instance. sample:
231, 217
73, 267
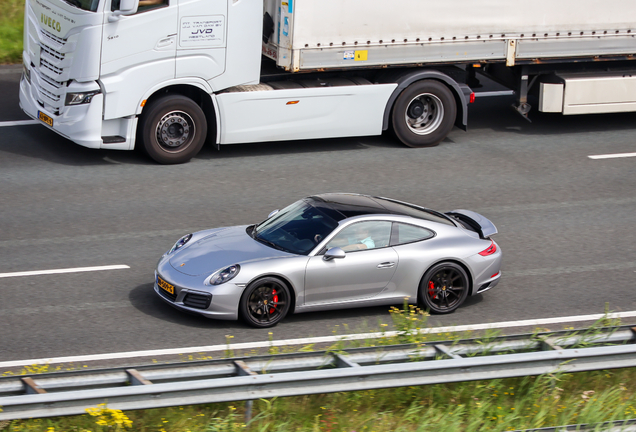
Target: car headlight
224, 275
180, 243
80, 98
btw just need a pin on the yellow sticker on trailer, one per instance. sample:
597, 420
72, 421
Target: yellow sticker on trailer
361, 55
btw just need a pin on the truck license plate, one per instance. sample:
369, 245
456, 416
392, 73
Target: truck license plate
46, 119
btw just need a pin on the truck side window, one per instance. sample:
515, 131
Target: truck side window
144, 5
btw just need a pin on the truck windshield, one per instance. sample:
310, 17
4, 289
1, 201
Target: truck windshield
88, 5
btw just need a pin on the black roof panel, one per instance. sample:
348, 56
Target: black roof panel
349, 205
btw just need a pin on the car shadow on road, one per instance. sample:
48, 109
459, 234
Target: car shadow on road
145, 300
363, 319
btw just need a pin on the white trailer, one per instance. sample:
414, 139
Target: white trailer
169, 75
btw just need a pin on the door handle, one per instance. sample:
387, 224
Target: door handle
386, 265
165, 42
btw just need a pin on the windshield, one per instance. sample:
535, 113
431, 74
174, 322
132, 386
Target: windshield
297, 228
88, 5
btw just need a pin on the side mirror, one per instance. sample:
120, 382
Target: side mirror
126, 7
272, 213
332, 253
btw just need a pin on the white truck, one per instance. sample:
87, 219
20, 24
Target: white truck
169, 75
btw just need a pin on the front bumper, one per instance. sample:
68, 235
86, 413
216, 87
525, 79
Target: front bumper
81, 124
217, 302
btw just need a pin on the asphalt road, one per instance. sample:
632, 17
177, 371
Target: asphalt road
566, 222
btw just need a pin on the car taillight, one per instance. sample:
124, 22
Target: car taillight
490, 250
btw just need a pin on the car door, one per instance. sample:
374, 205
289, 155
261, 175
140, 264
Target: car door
366, 269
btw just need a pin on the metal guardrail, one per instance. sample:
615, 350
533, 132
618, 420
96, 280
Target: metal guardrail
249, 378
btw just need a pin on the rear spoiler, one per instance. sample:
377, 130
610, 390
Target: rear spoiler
475, 221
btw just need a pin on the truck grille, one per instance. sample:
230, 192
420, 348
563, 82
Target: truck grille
51, 91
51, 52
197, 301
51, 37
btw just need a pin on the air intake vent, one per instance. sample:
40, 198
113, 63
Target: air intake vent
197, 301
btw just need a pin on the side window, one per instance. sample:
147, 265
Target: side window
144, 5
405, 233
363, 235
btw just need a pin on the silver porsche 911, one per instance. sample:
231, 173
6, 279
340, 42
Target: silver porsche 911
331, 251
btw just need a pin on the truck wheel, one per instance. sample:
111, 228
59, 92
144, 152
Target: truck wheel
173, 129
424, 114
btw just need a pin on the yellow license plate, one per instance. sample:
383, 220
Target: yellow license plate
165, 285
46, 119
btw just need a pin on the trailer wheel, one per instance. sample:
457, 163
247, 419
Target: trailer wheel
173, 129
424, 114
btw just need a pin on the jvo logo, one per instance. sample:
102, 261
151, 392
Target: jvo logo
50, 22
203, 31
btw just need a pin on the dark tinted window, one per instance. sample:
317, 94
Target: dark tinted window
144, 5
297, 228
405, 233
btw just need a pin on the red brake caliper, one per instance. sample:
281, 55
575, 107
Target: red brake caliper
431, 289
274, 300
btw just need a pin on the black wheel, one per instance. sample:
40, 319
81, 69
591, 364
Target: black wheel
265, 302
444, 288
424, 114
173, 129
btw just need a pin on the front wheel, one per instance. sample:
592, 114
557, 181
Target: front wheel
173, 129
444, 288
265, 302
424, 114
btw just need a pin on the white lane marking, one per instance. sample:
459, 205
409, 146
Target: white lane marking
18, 123
612, 156
64, 309
312, 340
67, 270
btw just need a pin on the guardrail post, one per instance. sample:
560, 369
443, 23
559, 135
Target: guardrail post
136, 378
31, 387
243, 370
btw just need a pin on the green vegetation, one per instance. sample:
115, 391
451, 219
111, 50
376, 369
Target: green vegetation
11, 25
496, 405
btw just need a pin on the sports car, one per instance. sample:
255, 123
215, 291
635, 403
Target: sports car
331, 251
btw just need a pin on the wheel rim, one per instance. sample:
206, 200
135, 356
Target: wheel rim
175, 131
445, 288
267, 303
424, 114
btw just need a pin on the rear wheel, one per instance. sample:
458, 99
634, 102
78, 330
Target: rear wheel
424, 114
265, 302
173, 129
444, 288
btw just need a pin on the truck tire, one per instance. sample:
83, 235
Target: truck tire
173, 129
424, 114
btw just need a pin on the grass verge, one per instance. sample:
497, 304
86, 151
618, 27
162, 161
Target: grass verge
496, 405
11, 27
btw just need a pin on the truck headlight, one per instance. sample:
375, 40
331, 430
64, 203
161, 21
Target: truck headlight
224, 275
80, 98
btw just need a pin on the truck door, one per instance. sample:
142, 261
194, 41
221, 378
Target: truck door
202, 38
138, 49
